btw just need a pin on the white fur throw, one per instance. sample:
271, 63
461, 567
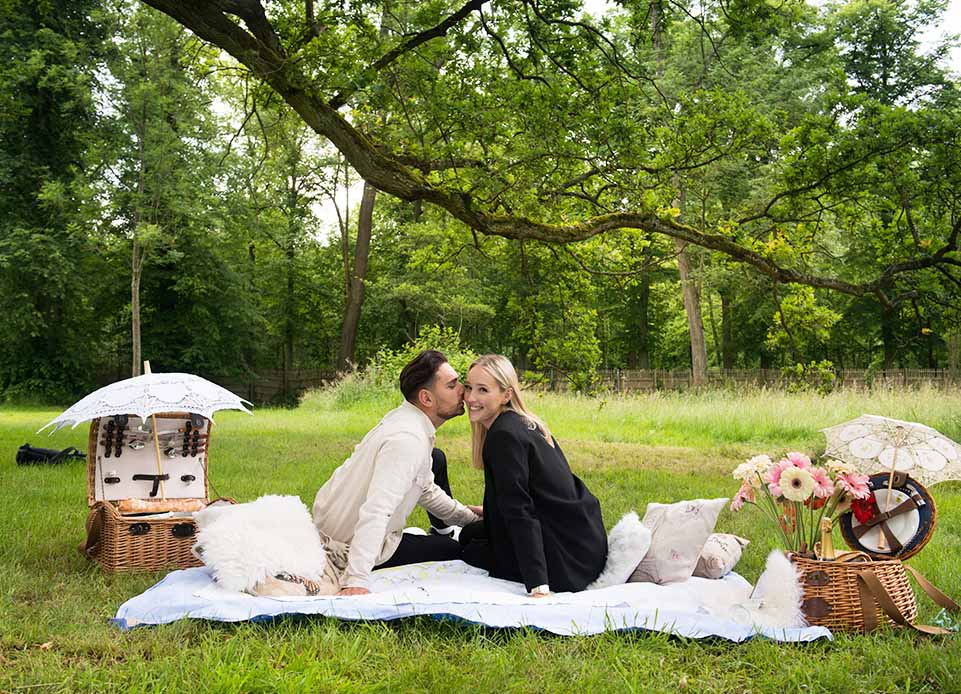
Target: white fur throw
245, 543
627, 544
777, 596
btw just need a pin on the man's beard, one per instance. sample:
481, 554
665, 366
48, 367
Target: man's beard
455, 411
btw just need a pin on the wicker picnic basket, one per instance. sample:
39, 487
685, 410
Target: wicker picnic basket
834, 595
140, 520
858, 593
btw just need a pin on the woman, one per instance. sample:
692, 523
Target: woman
541, 524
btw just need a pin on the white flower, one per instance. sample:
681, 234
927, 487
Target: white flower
796, 484
838, 467
752, 471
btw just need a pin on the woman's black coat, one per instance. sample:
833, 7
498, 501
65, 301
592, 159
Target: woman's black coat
542, 523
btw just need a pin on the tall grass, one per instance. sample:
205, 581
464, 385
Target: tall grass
54, 605
754, 417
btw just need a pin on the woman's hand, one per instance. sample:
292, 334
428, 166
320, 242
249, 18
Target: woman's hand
478, 510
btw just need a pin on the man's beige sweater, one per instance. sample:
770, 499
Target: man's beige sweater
365, 503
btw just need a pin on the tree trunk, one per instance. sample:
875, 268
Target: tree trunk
692, 306
727, 331
889, 320
355, 295
288, 319
643, 359
718, 355
135, 269
954, 353
137, 252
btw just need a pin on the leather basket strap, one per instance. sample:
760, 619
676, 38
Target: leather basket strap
870, 589
933, 591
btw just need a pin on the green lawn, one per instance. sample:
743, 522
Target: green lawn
54, 605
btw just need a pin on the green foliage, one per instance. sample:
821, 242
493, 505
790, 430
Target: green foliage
379, 379
387, 364
817, 376
880, 43
801, 325
51, 275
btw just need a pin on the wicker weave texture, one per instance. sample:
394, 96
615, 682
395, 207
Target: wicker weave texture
137, 543
832, 598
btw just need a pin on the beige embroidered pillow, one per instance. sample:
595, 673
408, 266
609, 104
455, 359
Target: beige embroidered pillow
678, 533
721, 553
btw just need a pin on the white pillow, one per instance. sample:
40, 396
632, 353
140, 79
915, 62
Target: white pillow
243, 544
678, 533
627, 544
719, 555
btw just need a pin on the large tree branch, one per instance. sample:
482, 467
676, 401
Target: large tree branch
387, 173
426, 165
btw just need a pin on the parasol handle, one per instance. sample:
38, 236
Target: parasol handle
156, 442
887, 500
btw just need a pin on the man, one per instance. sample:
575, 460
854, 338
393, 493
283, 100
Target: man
362, 509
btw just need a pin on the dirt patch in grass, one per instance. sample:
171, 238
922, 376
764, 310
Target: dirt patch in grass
598, 455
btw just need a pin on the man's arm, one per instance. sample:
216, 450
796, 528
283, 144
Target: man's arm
436, 501
395, 472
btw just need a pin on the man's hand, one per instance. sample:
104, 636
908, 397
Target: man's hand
353, 591
540, 595
478, 510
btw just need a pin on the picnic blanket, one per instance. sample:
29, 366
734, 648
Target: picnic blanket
697, 608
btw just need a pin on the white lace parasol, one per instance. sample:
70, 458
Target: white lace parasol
874, 444
149, 394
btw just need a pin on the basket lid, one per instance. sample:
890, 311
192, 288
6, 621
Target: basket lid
140, 472
894, 522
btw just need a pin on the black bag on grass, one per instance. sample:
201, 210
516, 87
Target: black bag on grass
28, 455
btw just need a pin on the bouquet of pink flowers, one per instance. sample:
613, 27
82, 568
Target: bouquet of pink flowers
797, 495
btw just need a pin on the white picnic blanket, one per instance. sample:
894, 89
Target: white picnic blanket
697, 608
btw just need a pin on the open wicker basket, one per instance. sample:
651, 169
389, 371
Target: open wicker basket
837, 597
136, 543
143, 532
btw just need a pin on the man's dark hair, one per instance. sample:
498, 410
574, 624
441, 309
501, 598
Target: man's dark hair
420, 372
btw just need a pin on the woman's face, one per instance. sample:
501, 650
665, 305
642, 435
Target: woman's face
485, 399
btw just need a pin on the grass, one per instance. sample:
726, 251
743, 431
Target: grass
54, 605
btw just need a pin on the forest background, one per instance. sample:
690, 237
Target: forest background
723, 183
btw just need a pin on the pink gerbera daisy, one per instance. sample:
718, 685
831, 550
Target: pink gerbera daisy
773, 476
854, 484
744, 494
823, 487
799, 460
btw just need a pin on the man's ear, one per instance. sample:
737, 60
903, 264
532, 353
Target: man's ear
425, 398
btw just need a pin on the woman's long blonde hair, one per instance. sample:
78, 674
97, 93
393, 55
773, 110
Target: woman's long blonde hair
503, 373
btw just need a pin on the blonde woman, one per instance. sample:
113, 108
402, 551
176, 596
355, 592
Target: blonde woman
541, 525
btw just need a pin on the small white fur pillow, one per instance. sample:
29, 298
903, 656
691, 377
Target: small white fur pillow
720, 554
627, 543
243, 544
678, 533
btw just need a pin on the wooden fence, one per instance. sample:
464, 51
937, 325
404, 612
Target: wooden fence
275, 386
633, 380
